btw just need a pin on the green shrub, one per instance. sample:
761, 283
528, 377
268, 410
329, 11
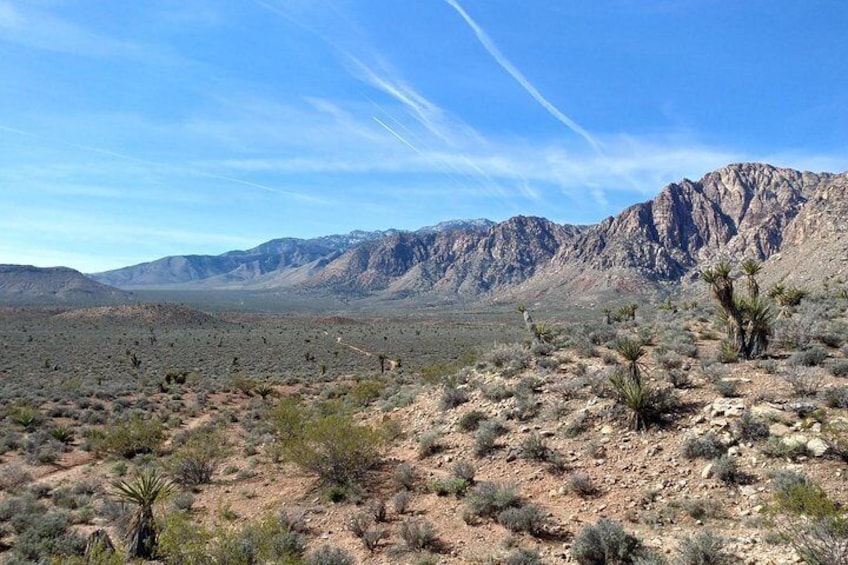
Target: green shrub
812, 523
452, 397
836, 397
811, 357
777, 448
404, 476
199, 453
605, 543
418, 535
750, 428
708, 446
704, 548
329, 444
727, 352
726, 470
129, 438
470, 421
275, 539
804, 498
523, 556
526, 518
487, 499
26, 417
450, 486
328, 555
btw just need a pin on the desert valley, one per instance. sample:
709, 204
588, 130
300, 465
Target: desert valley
665, 386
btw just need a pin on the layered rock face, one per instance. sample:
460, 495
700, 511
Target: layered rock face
742, 210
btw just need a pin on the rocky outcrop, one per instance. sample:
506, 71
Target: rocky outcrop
742, 210
456, 262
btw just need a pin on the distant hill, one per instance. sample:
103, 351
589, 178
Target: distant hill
24, 284
793, 221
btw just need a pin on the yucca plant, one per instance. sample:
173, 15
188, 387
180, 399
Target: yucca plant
751, 268
143, 490
646, 403
632, 351
759, 329
26, 417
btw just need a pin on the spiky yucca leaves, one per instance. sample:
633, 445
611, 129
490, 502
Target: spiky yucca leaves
751, 268
143, 490
787, 297
632, 351
758, 317
645, 403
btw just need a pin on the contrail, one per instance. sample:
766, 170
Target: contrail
396, 135
493, 50
145, 162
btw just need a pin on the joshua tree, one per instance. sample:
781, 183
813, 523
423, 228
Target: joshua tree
143, 491
748, 319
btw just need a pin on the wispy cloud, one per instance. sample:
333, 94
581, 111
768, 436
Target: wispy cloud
180, 170
519, 77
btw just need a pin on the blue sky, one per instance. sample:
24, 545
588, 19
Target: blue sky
135, 130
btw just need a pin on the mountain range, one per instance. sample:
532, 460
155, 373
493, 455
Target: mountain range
793, 221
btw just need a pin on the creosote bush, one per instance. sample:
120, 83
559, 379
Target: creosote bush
129, 438
199, 453
326, 442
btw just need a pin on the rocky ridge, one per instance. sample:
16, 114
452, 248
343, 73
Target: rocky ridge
742, 210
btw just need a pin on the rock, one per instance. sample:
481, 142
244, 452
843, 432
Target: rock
719, 423
731, 407
707, 471
606, 430
817, 447
748, 490
778, 430
767, 412
794, 441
